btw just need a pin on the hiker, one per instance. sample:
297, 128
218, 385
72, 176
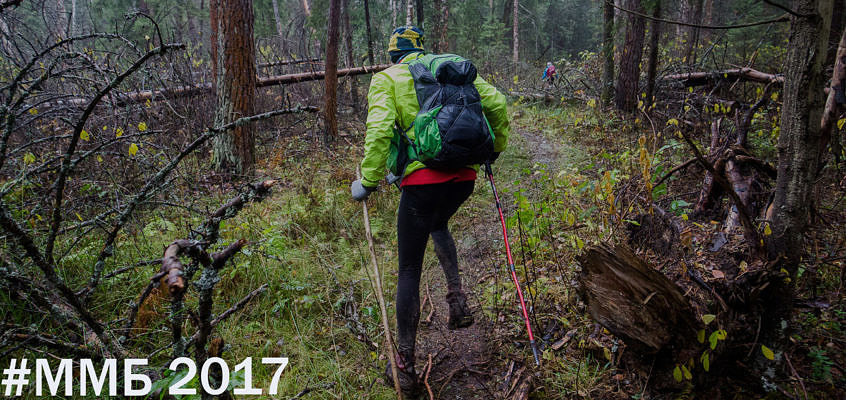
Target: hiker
549, 73
456, 97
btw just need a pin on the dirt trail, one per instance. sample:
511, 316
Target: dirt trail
468, 363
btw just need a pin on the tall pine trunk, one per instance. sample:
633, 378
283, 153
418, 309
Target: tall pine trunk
419, 6
607, 53
632, 52
280, 31
515, 32
234, 73
652, 64
369, 37
331, 82
441, 22
349, 54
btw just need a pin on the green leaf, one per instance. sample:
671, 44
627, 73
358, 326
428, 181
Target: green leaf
767, 352
708, 318
687, 374
706, 361
840, 123
712, 340
700, 336
721, 334
677, 374
29, 158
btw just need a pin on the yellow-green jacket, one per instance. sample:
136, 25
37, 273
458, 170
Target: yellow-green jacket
392, 99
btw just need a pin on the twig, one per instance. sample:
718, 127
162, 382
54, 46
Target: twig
791, 12
426, 377
796, 374
674, 170
239, 305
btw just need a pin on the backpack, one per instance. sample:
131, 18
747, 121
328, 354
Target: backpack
450, 130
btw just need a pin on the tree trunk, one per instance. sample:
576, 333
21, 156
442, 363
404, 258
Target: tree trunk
608, 53
440, 42
409, 12
349, 53
833, 105
73, 18
331, 81
280, 31
369, 37
799, 141
419, 7
652, 64
233, 71
392, 4
515, 32
54, 12
629, 76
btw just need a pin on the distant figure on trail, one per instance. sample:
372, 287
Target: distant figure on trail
426, 123
549, 73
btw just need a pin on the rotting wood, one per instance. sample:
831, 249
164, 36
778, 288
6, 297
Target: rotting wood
616, 284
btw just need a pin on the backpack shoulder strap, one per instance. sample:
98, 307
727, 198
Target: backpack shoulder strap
425, 84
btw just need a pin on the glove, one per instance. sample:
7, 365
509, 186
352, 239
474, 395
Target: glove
493, 157
392, 179
359, 191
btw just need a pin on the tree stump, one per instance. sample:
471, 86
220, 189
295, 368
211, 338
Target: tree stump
633, 301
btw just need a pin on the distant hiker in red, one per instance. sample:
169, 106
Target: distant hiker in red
431, 121
549, 73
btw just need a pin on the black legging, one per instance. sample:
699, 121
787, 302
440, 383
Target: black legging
424, 210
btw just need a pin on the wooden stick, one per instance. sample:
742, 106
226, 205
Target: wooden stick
379, 294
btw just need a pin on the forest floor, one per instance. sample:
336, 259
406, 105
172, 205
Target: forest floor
307, 244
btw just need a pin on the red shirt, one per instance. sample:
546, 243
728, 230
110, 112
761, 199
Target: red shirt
429, 176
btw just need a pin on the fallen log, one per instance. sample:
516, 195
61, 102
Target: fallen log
706, 77
633, 301
290, 62
128, 98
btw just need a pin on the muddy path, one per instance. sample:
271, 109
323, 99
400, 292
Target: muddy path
471, 363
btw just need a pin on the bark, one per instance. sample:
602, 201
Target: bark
349, 53
652, 64
369, 36
515, 32
635, 302
280, 31
629, 75
73, 18
833, 108
55, 15
704, 78
409, 12
608, 53
799, 141
441, 25
233, 71
392, 4
419, 6
330, 96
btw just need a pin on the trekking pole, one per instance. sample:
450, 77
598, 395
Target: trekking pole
379, 296
489, 173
